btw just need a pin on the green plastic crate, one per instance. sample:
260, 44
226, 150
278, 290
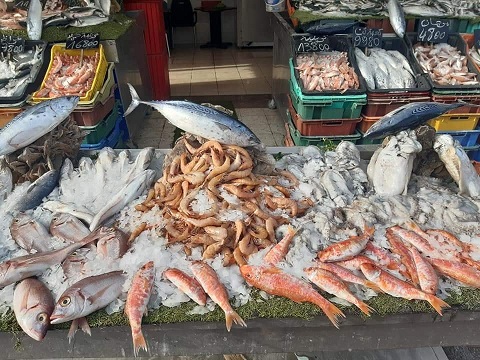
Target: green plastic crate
100, 131
326, 107
301, 140
472, 26
364, 141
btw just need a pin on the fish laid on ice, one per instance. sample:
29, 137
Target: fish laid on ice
19, 268
207, 277
458, 271
274, 281
113, 245
398, 247
6, 181
29, 234
85, 297
458, 164
277, 252
346, 249
127, 194
57, 206
37, 191
136, 304
408, 116
36, 121
332, 284
187, 284
68, 227
426, 274
33, 304
398, 288
34, 20
397, 17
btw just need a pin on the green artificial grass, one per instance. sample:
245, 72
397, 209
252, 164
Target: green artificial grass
273, 308
111, 30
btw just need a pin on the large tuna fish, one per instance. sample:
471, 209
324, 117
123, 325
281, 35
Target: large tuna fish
35, 122
34, 20
407, 117
397, 17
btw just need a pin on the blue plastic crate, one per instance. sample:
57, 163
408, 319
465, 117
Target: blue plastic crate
465, 138
474, 155
110, 141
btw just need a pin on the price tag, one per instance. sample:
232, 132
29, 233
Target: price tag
83, 41
310, 43
22, 4
433, 30
367, 37
11, 44
476, 37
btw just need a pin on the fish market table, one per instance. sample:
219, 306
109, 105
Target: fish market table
215, 15
262, 336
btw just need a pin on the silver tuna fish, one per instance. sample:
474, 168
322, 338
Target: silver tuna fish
397, 17
34, 20
35, 122
29, 234
86, 296
33, 304
22, 267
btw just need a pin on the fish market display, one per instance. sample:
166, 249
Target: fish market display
370, 8
397, 17
475, 55
384, 69
408, 116
326, 71
70, 75
34, 20
391, 165
445, 64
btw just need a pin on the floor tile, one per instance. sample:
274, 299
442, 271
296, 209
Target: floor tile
246, 112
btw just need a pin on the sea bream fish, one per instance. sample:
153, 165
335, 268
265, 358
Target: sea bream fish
408, 116
36, 121
33, 304
34, 20
29, 234
201, 121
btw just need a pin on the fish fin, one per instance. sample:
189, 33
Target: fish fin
373, 286
438, 304
135, 100
80, 323
333, 313
138, 342
83, 324
365, 308
232, 317
369, 230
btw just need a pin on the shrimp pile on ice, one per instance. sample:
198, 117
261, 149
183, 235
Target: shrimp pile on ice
210, 198
69, 76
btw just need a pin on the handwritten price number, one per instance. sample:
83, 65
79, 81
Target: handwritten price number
22, 4
313, 43
367, 37
82, 41
12, 45
433, 30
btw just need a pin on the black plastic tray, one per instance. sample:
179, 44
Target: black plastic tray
457, 41
38, 77
337, 43
392, 42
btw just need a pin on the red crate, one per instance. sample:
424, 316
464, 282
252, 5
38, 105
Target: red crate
367, 122
376, 108
288, 141
159, 76
154, 32
469, 39
328, 127
467, 109
387, 27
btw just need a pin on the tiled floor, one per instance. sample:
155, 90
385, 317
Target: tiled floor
229, 71
243, 76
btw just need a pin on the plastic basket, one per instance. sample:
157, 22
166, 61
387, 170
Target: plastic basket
457, 41
465, 138
377, 107
326, 107
337, 43
386, 25
392, 42
110, 141
100, 131
364, 141
100, 71
7, 114
475, 155
367, 122
92, 116
300, 140
467, 109
330, 127
456, 122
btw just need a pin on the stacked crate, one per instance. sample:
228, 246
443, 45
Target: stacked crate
320, 118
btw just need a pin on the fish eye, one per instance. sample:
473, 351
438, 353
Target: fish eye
65, 301
42, 317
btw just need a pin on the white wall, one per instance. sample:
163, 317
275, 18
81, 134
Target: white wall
229, 27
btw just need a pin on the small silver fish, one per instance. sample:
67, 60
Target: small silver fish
114, 245
33, 304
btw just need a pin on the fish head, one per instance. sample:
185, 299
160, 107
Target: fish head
253, 274
370, 271
68, 306
59, 219
67, 103
149, 266
36, 320
20, 220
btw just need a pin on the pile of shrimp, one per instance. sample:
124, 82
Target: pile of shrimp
70, 76
223, 174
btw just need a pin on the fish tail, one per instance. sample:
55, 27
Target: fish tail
333, 313
373, 286
369, 230
232, 317
437, 303
135, 99
365, 308
138, 342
